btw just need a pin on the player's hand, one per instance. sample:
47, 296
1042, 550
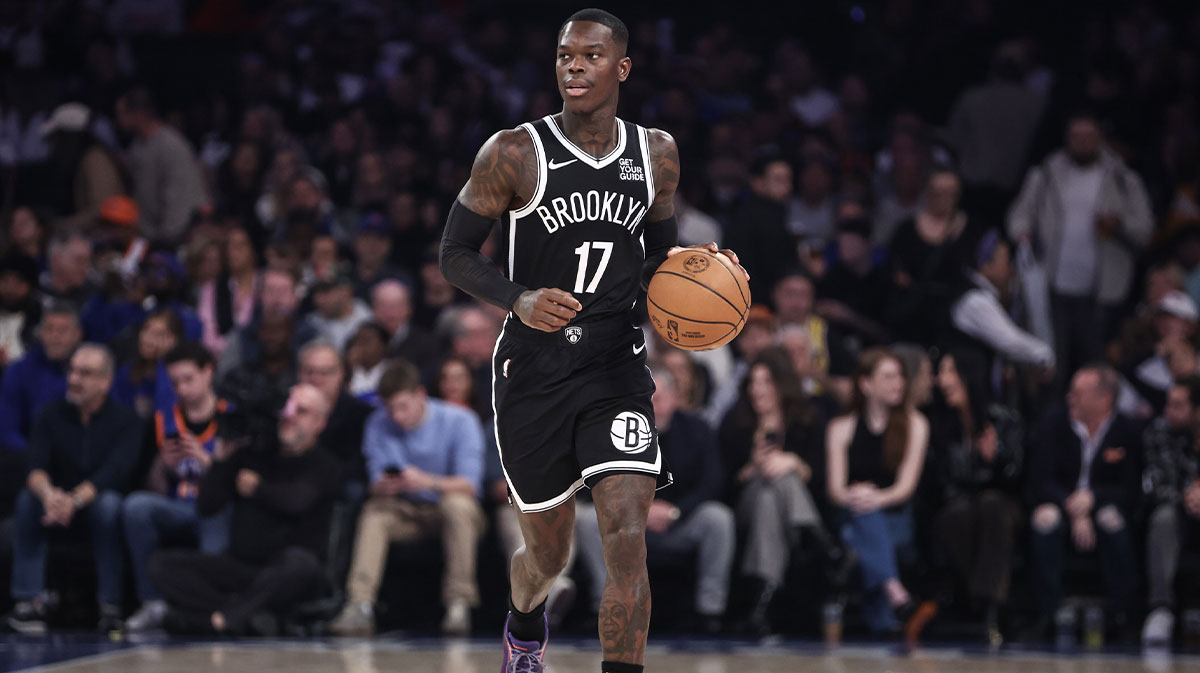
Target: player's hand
247, 482
546, 309
712, 247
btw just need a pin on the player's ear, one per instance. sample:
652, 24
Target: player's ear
623, 69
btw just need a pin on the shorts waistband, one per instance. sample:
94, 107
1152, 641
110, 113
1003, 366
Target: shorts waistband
603, 330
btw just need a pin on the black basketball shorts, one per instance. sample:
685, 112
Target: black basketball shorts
572, 406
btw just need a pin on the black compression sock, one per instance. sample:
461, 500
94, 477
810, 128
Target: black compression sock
527, 626
619, 667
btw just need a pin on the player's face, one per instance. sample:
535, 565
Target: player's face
589, 66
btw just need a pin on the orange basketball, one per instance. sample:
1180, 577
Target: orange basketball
697, 300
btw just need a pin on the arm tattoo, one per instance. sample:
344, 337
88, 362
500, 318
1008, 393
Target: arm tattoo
504, 175
664, 161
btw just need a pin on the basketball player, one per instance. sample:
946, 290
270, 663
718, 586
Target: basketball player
586, 201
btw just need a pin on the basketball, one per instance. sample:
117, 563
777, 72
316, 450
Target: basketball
697, 300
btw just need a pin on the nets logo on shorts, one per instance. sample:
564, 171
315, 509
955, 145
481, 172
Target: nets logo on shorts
631, 432
573, 334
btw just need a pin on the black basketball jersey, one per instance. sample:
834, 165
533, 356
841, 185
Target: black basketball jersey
582, 231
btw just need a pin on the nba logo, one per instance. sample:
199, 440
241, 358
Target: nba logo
573, 334
673, 330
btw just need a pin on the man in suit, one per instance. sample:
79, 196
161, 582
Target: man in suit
1085, 488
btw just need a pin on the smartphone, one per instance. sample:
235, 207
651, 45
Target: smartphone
392, 471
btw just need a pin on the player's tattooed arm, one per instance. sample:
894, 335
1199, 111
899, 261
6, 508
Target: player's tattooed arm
504, 175
664, 158
664, 162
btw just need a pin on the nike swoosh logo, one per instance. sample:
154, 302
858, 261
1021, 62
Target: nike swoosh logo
553, 166
638, 351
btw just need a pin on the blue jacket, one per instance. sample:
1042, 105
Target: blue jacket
28, 385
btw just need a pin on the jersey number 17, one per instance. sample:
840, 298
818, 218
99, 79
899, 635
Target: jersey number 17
583, 252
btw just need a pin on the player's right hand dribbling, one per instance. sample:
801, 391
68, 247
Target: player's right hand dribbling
546, 309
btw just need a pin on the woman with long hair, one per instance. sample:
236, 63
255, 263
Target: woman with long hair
977, 450
228, 302
455, 384
875, 456
137, 382
771, 441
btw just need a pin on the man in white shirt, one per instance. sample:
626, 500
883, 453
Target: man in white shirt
1089, 216
980, 313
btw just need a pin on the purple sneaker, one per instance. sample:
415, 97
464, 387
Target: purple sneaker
522, 656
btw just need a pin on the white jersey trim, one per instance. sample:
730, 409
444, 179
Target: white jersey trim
644, 139
516, 497
538, 193
634, 465
584, 156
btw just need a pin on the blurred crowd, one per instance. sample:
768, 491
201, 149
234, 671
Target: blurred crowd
233, 370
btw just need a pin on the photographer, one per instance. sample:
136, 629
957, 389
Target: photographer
282, 500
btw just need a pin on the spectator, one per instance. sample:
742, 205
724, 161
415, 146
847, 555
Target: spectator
811, 213
456, 384
977, 447
992, 125
759, 231
770, 442
1084, 481
82, 456
1175, 322
918, 368
117, 248
1086, 211
182, 439
321, 367
687, 518
425, 462
282, 499
691, 379
1171, 482
367, 358
338, 312
876, 454
261, 385
278, 300
1139, 337
66, 279
19, 308
854, 291
982, 318
140, 382
926, 258
39, 378
227, 302
756, 335
391, 302
166, 175
795, 298
372, 252
85, 173
25, 233
473, 333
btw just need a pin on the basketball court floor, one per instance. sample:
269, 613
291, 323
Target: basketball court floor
86, 654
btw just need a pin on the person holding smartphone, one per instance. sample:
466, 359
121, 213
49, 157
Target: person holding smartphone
182, 439
771, 442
